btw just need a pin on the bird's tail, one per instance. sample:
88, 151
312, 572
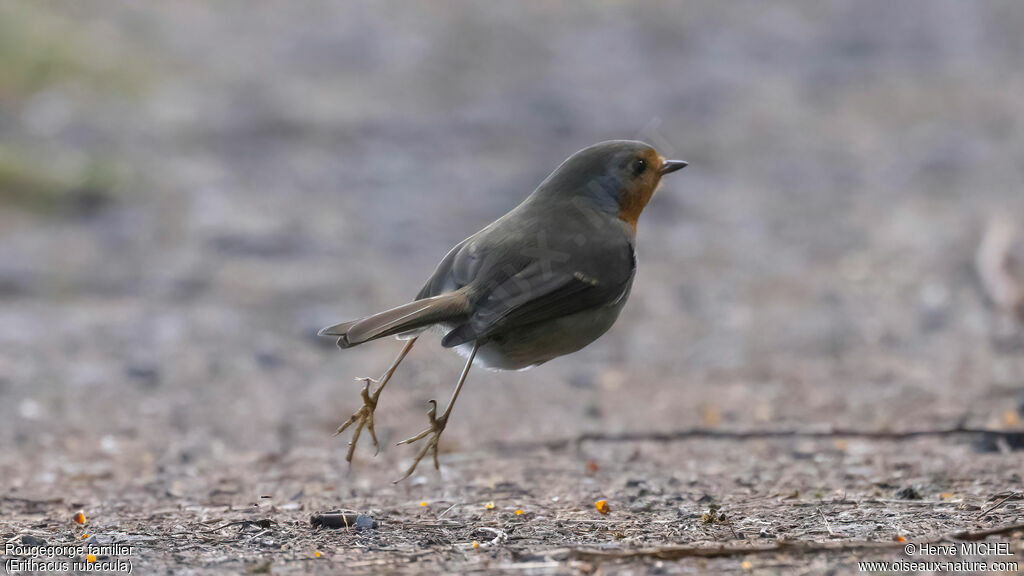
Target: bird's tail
405, 318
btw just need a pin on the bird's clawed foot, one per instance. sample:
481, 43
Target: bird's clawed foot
436, 428
362, 418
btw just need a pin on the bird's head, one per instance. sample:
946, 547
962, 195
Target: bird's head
619, 176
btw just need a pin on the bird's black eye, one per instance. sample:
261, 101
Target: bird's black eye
639, 166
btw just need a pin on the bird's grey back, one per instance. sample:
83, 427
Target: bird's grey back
581, 239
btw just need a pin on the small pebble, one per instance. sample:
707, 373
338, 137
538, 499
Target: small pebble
364, 522
29, 540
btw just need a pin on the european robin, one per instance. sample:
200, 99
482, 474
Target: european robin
542, 281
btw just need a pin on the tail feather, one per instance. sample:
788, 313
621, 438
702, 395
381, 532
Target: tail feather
405, 318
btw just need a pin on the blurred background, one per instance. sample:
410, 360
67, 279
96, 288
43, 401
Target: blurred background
189, 191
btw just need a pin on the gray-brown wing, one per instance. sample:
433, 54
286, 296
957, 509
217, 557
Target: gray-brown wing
537, 293
454, 271
492, 247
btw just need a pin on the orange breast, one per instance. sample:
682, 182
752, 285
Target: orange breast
633, 204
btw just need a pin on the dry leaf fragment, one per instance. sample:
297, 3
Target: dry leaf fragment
1010, 419
998, 264
711, 415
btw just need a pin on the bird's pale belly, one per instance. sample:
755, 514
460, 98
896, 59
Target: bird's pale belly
535, 344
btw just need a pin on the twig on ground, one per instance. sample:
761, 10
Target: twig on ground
264, 523
33, 502
446, 511
827, 527
856, 503
999, 504
679, 552
338, 519
690, 433
982, 534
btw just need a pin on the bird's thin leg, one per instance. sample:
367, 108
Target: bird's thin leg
364, 416
437, 424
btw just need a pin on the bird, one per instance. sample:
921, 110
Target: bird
544, 280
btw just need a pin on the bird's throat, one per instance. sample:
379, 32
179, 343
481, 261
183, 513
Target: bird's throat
633, 203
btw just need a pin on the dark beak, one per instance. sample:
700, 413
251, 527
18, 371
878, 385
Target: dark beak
670, 166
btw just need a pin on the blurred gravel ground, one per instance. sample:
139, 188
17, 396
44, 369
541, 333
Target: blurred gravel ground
188, 191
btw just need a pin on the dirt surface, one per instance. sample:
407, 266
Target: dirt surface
187, 193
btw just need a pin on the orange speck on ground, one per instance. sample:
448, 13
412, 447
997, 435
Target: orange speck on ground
710, 415
602, 506
1010, 419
